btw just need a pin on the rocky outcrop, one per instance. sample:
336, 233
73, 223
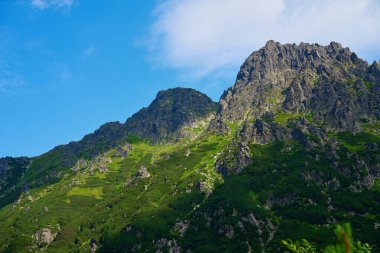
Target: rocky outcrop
11, 170
331, 81
297, 92
201, 187
142, 172
44, 237
168, 112
120, 152
181, 227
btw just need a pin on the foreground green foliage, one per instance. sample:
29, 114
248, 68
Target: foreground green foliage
345, 244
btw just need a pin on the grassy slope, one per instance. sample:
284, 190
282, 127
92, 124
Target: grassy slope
83, 207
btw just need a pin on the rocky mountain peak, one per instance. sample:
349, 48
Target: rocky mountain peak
169, 111
330, 81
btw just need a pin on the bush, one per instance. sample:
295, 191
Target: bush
345, 244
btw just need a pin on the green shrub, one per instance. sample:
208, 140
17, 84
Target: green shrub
345, 243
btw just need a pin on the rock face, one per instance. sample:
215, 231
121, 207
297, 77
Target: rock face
11, 170
142, 173
121, 152
330, 81
44, 237
168, 112
293, 92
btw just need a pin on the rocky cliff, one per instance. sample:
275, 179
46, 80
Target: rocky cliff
169, 112
330, 82
296, 92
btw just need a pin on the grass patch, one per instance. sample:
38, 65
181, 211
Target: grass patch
94, 192
355, 142
282, 117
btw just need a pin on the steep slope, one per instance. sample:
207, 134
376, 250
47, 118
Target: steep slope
169, 112
11, 170
316, 89
331, 81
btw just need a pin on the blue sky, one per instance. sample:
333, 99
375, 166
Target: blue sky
68, 66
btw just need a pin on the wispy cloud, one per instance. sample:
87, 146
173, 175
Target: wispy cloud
200, 37
9, 80
45, 4
89, 51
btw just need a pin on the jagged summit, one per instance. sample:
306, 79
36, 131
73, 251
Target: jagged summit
331, 81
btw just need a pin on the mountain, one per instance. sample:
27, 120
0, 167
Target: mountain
169, 112
321, 88
329, 81
162, 120
290, 150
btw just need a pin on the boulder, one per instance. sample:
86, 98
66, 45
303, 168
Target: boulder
44, 237
121, 152
142, 172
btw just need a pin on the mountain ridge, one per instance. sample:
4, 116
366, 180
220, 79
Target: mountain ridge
292, 150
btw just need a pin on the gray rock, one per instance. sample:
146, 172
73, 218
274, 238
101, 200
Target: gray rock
44, 237
173, 246
121, 152
142, 172
181, 227
228, 231
327, 80
188, 152
202, 187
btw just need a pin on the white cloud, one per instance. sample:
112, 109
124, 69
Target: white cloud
44, 4
200, 37
40, 4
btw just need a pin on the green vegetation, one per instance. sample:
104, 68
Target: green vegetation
288, 191
102, 204
96, 192
345, 243
282, 118
356, 142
